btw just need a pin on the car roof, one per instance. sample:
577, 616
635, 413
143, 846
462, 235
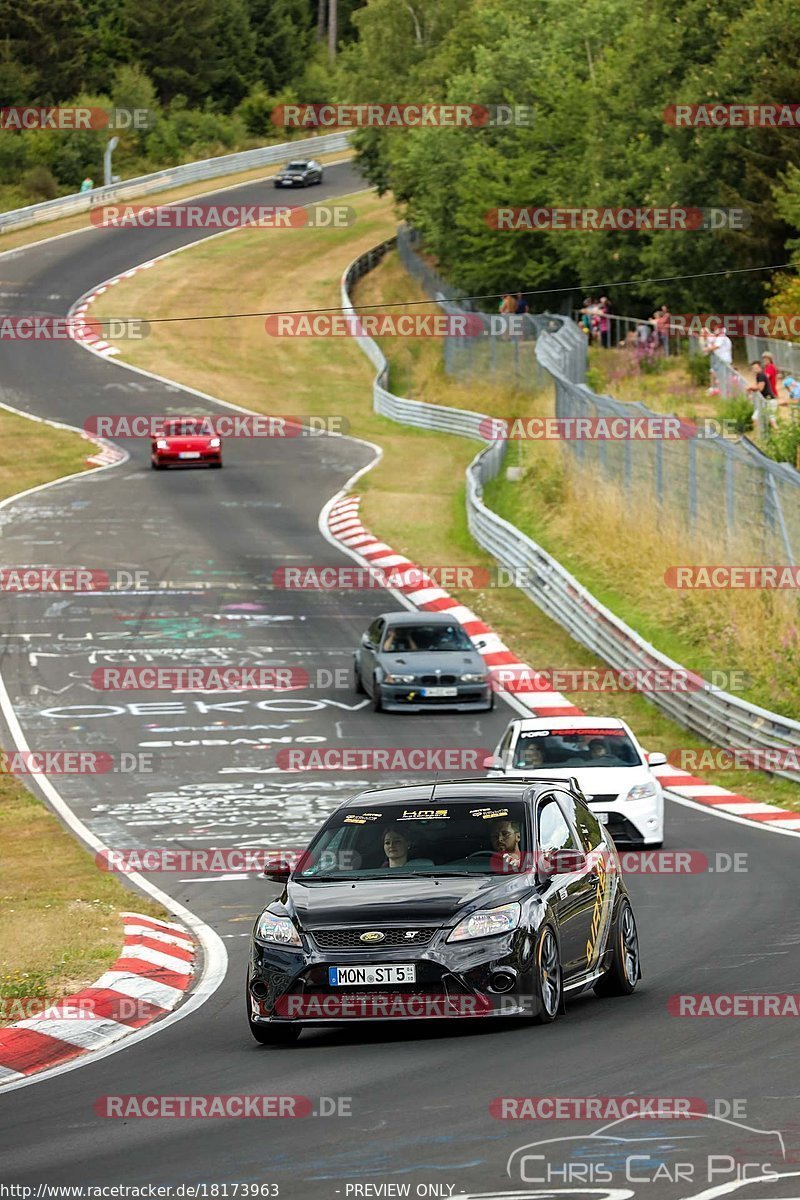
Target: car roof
436, 792
418, 618
556, 723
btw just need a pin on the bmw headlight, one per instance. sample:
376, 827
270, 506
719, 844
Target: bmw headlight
398, 679
473, 678
487, 923
642, 791
161, 444
280, 930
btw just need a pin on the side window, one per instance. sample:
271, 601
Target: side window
588, 826
554, 832
503, 748
375, 632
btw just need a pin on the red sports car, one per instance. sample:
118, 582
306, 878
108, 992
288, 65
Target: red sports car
186, 442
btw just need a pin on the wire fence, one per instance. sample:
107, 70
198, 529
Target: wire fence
719, 487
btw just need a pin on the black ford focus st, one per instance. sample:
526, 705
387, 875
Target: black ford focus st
460, 898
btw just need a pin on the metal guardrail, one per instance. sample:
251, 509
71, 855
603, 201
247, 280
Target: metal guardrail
785, 355
159, 181
722, 718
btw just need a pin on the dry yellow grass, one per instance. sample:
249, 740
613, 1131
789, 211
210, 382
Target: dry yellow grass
414, 498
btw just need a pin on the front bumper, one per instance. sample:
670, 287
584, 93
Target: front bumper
403, 697
167, 459
452, 981
292, 183
633, 822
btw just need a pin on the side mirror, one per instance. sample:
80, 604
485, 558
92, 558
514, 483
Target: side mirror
278, 870
492, 763
366, 643
561, 862
656, 759
480, 643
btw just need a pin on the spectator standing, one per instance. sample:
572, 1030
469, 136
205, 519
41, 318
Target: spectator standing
604, 326
762, 395
771, 372
662, 320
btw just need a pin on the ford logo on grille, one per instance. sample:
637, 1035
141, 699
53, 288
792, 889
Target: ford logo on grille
374, 935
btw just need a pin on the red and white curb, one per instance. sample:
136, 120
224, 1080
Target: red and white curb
82, 330
344, 525
155, 969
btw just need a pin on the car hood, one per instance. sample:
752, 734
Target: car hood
421, 662
411, 901
595, 781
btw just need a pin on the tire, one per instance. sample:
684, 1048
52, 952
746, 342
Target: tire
377, 703
625, 970
654, 845
490, 705
156, 466
548, 982
217, 465
358, 683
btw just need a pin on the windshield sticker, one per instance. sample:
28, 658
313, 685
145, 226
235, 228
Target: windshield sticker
572, 733
488, 813
425, 814
362, 818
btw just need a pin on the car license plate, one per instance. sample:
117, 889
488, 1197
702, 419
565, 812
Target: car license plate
189, 454
440, 691
371, 976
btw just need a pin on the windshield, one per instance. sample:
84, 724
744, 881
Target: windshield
545, 749
296, 166
426, 638
187, 428
454, 837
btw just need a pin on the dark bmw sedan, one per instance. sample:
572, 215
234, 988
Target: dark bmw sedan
477, 898
413, 661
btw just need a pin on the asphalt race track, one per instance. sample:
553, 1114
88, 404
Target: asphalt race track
411, 1102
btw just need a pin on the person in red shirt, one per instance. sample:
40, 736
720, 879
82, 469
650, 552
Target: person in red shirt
770, 371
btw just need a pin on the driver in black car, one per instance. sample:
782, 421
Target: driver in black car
505, 838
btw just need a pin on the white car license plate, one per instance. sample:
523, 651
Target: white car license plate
189, 454
371, 976
440, 691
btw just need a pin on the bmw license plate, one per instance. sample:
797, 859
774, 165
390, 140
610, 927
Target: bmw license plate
371, 976
189, 454
440, 691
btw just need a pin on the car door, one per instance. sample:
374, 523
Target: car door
370, 644
572, 893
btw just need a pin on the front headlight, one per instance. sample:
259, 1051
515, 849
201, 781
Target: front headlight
642, 791
161, 444
280, 930
473, 678
487, 923
215, 443
398, 679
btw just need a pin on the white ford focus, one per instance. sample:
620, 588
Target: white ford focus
603, 755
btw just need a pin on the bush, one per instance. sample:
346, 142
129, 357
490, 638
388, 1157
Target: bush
40, 184
783, 443
738, 410
697, 368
